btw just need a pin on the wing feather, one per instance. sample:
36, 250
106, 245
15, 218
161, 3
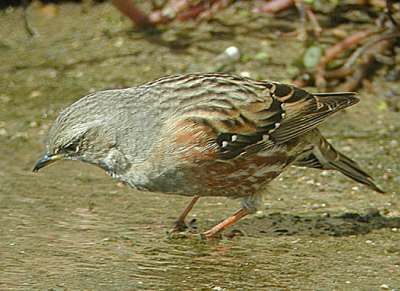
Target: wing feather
255, 119
292, 113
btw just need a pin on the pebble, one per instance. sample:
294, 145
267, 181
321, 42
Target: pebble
394, 143
3, 132
233, 53
4, 98
325, 173
384, 287
245, 74
310, 182
33, 124
260, 214
346, 149
35, 94
20, 135
119, 42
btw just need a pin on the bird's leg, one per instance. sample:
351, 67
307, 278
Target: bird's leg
249, 206
180, 224
216, 230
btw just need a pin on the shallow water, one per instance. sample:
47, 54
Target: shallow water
71, 227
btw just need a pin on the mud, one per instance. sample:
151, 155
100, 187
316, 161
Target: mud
71, 227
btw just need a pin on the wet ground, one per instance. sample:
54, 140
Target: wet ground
73, 228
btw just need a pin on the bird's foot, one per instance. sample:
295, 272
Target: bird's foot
216, 231
214, 236
234, 233
179, 226
183, 230
207, 235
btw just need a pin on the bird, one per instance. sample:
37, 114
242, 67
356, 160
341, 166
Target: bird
202, 134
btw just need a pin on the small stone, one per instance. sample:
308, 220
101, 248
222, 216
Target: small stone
35, 94
384, 287
387, 176
52, 73
347, 149
245, 74
4, 98
233, 53
20, 135
3, 132
119, 42
394, 143
260, 214
33, 124
325, 173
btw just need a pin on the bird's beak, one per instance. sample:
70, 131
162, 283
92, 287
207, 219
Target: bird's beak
45, 161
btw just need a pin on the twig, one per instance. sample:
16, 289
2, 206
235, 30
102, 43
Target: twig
306, 12
389, 9
338, 73
275, 6
183, 10
194, 11
336, 50
127, 8
29, 29
214, 8
361, 50
314, 21
355, 80
301, 8
155, 5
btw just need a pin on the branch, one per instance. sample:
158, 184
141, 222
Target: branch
334, 51
127, 8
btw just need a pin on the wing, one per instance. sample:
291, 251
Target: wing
292, 112
245, 116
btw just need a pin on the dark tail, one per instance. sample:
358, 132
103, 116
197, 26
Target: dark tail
352, 170
324, 156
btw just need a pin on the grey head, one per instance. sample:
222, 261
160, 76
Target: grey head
88, 131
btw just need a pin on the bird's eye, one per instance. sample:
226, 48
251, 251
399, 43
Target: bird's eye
72, 147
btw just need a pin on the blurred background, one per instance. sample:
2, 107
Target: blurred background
73, 228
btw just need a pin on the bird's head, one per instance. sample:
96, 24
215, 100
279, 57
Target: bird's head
78, 134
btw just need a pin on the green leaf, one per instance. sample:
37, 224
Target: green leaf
261, 56
312, 56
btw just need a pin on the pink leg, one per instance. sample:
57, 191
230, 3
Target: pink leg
216, 230
180, 222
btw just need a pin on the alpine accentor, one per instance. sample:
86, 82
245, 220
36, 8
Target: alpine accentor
202, 135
